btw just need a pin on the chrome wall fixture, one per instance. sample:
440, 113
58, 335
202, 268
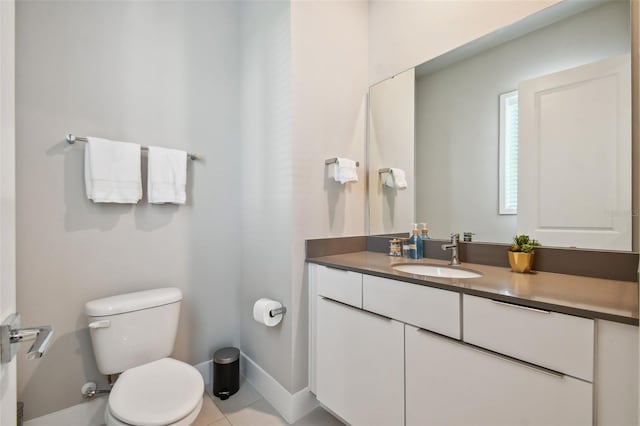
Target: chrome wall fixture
71, 139
11, 333
278, 311
335, 160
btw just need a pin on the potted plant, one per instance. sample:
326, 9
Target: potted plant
521, 253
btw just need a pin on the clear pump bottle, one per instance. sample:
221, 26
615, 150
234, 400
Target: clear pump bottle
415, 243
424, 232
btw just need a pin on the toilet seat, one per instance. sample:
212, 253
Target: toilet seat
160, 393
187, 421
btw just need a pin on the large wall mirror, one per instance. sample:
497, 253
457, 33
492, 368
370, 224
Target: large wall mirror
526, 130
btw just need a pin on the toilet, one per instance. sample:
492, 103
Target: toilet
133, 335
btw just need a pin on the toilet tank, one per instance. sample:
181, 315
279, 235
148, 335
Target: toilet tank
132, 329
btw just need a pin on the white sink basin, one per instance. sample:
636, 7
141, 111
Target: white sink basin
436, 271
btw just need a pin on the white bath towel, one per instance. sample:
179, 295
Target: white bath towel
167, 177
396, 178
345, 170
112, 171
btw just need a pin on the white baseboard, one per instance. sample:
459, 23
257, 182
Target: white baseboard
89, 413
291, 407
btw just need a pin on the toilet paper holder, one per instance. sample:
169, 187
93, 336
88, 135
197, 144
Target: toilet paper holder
268, 312
278, 311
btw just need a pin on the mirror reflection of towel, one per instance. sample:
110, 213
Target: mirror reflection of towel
396, 178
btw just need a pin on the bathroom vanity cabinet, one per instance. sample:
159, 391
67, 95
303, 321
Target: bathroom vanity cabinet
348, 340
361, 379
388, 352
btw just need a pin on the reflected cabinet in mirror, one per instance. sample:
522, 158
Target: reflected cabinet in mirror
526, 130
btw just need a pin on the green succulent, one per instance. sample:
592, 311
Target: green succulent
522, 243
526, 248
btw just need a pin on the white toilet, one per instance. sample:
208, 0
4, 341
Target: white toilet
133, 334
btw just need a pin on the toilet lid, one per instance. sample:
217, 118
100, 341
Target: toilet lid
157, 393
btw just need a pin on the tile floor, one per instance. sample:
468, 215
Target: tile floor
249, 408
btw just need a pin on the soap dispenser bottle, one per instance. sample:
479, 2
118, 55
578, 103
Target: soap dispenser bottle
424, 233
415, 243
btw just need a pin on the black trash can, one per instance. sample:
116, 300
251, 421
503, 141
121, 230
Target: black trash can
226, 372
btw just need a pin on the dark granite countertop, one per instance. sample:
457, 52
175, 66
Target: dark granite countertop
570, 294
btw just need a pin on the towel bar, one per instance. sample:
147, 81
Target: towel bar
335, 160
71, 139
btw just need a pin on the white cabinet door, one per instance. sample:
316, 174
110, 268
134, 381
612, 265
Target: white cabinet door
574, 185
359, 365
449, 383
616, 378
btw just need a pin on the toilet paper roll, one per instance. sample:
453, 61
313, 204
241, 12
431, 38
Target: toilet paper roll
261, 310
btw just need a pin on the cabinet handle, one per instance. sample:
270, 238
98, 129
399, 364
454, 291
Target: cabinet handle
336, 269
535, 367
526, 308
489, 352
328, 299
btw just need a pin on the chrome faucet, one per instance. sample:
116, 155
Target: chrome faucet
453, 246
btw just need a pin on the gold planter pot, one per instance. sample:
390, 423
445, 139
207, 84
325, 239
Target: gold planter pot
520, 262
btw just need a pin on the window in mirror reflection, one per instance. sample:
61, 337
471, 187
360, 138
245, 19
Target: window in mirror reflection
509, 153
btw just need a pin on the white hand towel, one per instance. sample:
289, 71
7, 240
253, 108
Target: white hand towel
396, 178
345, 170
167, 177
112, 171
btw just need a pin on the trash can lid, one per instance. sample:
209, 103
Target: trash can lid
226, 355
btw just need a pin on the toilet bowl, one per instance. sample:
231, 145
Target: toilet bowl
133, 334
160, 393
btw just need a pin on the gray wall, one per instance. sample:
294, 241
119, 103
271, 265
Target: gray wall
457, 116
217, 78
303, 101
266, 212
161, 73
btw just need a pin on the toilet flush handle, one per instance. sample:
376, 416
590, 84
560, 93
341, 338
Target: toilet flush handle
100, 324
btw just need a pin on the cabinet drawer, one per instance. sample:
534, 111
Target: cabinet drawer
426, 307
340, 285
450, 383
556, 341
